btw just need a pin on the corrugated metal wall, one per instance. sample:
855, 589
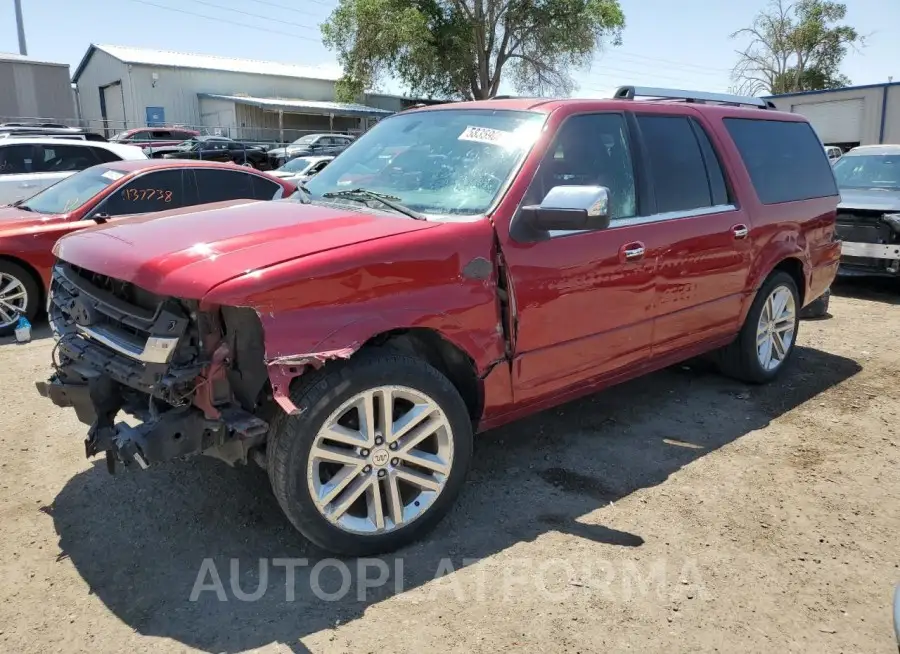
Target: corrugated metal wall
870, 101
176, 91
101, 73
35, 90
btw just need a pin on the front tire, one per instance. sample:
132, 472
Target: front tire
376, 457
766, 341
19, 295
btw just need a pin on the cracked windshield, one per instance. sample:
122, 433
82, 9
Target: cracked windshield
450, 163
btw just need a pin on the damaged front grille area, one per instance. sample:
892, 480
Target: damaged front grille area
870, 242
152, 347
188, 375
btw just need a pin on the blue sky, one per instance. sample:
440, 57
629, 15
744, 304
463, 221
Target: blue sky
671, 44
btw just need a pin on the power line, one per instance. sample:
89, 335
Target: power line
668, 62
226, 21
299, 11
247, 13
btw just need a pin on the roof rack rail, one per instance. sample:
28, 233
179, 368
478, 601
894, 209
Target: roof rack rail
632, 92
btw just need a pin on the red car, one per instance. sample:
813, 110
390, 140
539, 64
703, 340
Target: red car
155, 137
30, 228
522, 254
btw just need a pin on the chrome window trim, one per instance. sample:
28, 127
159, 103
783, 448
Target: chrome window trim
654, 218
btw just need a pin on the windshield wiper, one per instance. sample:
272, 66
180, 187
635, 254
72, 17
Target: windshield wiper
389, 201
18, 205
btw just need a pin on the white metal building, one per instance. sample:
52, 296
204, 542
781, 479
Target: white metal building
34, 89
121, 87
851, 116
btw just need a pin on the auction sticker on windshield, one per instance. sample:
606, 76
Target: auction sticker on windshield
113, 175
485, 135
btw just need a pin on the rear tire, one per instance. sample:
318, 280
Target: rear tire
818, 308
773, 319
312, 488
22, 295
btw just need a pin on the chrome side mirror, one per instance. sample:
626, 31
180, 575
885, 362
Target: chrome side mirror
570, 208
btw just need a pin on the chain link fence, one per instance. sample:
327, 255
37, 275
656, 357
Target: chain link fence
271, 137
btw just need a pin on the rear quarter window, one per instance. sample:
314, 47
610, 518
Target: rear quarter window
785, 159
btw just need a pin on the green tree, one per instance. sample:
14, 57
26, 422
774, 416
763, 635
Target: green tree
794, 47
462, 49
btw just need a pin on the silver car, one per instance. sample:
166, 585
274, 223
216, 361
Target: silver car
301, 169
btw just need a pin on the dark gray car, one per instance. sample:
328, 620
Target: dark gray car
868, 219
319, 145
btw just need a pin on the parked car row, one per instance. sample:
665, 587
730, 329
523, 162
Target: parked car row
29, 228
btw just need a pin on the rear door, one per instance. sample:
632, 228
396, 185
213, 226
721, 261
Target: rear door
220, 185
704, 264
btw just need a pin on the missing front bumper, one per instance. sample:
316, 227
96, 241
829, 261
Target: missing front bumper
176, 433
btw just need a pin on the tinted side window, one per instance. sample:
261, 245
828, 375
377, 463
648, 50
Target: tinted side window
67, 158
590, 149
221, 185
263, 189
785, 160
16, 160
104, 155
151, 192
678, 175
140, 136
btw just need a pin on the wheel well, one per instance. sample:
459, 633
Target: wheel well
794, 268
38, 280
450, 360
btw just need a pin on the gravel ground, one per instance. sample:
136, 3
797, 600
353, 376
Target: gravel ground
680, 512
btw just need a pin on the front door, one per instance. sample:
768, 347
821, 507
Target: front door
702, 273
583, 301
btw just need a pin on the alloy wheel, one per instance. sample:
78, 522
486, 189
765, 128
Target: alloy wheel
776, 328
13, 299
380, 460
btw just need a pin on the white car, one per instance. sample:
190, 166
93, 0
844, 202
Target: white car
301, 169
29, 165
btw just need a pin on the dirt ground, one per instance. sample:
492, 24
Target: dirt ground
681, 512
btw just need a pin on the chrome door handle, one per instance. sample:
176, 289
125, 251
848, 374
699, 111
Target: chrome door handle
633, 253
740, 231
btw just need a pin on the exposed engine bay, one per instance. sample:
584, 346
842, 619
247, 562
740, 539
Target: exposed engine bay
196, 380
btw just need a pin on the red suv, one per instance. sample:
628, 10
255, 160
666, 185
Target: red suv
519, 254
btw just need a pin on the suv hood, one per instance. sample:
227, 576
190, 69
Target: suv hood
870, 200
187, 252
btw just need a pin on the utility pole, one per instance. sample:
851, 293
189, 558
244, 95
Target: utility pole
23, 49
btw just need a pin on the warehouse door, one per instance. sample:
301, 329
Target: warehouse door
836, 122
112, 108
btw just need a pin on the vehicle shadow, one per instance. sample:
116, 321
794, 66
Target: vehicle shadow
139, 539
875, 289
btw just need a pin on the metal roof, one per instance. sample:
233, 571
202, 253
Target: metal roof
17, 58
302, 106
147, 57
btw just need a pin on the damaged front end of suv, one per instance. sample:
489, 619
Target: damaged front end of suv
868, 217
193, 379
